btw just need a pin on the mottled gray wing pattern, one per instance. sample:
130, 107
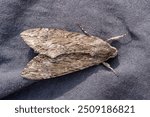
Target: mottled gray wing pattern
55, 42
44, 67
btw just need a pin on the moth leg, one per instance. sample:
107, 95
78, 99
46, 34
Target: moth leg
109, 67
84, 31
115, 38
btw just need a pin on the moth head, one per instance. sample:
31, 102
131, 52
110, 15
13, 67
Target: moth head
103, 50
113, 52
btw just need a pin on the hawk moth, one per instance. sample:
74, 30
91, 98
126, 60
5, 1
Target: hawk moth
62, 52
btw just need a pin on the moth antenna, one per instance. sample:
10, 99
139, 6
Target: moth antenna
82, 29
109, 67
110, 40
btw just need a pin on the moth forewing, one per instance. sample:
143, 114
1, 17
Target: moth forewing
55, 42
44, 67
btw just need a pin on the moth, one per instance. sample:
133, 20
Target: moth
62, 52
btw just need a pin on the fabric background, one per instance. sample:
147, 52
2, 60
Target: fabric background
102, 18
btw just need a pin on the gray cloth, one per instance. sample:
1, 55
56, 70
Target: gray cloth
102, 18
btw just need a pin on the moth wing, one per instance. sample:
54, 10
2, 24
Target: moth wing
44, 67
55, 42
